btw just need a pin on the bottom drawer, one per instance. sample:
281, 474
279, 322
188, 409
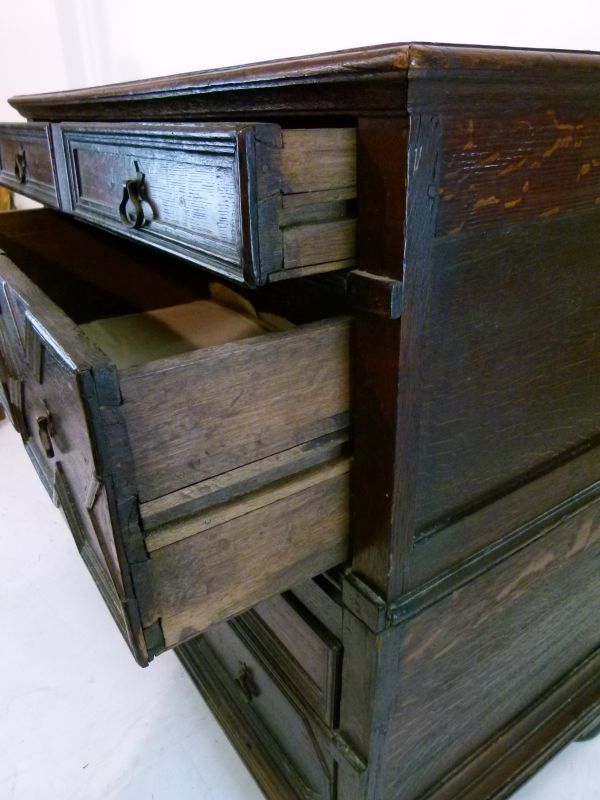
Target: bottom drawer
284, 747
296, 646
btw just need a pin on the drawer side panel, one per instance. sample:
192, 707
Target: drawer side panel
201, 415
225, 570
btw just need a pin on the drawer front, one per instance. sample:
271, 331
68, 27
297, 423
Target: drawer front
300, 649
304, 753
232, 198
8, 372
44, 402
212, 530
26, 164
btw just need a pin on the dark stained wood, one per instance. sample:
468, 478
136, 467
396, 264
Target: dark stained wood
590, 731
466, 615
363, 81
475, 533
503, 636
290, 724
271, 761
30, 145
225, 197
297, 647
510, 62
66, 463
523, 746
382, 158
353, 81
484, 334
376, 293
512, 168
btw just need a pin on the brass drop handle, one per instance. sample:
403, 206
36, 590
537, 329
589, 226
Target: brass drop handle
245, 681
131, 209
20, 166
46, 432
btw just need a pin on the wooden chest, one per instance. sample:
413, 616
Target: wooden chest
369, 518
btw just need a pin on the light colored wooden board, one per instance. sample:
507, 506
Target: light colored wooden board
201, 414
318, 159
292, 202
231, 485
314, 269
319, 243
219, 573
225, 512
5, 199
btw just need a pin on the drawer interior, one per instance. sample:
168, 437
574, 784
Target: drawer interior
91, 275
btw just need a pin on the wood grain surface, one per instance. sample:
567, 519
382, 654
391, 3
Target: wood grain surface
297, 380
364, 81
217, 194
494, 646
503, 374
299, 650
468, 617
507, 169
298, 746
31, 144
216, 574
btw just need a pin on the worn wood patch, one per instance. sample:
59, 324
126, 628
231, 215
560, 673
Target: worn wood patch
510, 168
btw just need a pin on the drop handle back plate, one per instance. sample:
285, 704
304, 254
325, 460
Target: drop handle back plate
20, 166
246, 683
131, 209
46, 431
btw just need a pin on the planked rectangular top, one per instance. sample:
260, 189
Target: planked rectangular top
366, 80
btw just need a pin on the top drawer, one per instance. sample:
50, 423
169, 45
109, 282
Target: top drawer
26, 161
252, 202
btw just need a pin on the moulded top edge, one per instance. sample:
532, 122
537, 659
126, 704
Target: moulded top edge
307, 84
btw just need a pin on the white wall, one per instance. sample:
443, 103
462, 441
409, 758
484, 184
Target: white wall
57, 44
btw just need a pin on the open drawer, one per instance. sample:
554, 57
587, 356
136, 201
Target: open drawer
197, 484
250, 201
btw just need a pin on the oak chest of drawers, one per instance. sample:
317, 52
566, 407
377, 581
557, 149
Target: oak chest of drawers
369, 519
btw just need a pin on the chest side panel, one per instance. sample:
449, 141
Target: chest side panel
508, 348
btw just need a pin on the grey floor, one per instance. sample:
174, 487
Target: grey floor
80, 721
